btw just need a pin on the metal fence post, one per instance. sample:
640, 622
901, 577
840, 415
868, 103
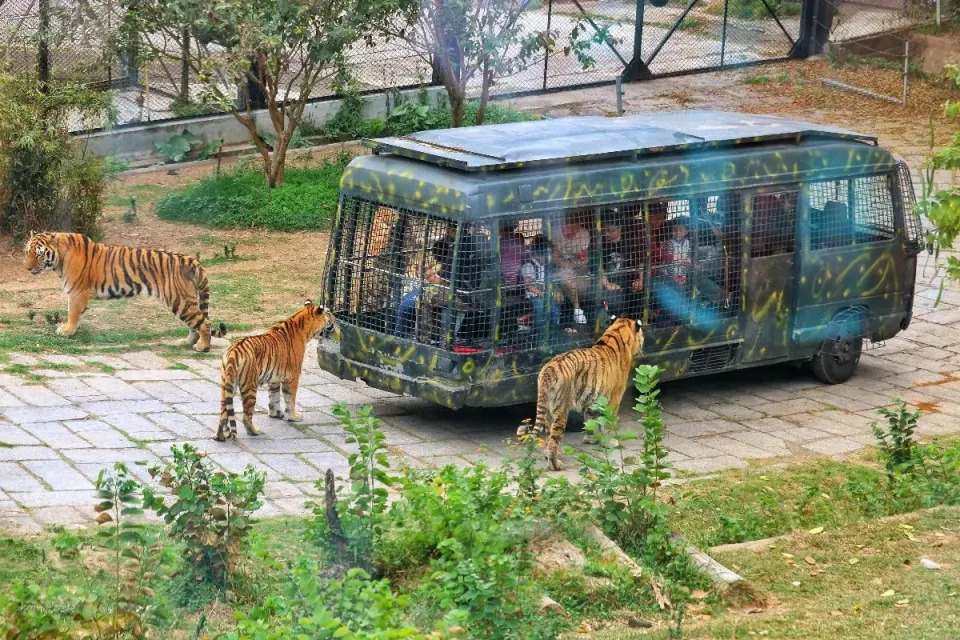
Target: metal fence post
546, 58
636, 69
43, 45
906, 67
723, 36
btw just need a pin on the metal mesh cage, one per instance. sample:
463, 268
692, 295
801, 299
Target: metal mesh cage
774, 223
847, 212
911, 217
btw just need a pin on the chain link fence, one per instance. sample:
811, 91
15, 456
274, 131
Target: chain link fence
643, 41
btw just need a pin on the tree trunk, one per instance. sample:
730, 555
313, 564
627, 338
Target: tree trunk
185, 68
457, 101
484, 91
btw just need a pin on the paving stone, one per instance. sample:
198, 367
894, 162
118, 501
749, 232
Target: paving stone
117, 389
74, 388
207, 392
110, 456
17, 521
439, 462
293, 506
165, 391
765, 441
768, 425
38, 396
90, 470
197, 408
835, 401
56, 498
27, 415
312, 400
137, 427
702, 428
13, 477
343, 393
262, 444
237, 462
207, 445
833, 446
59, 475
800, 434
147, 375
108, 438
710, 465
114, 407
442, 448
330, 460
283, 489
57, 436
9, 400
11, 435
687, 447
741, 449
110, 361
734, 412
290, 466
787, 407
834, 422
180, 425
685, 412
64, 515
145, 360
27, 453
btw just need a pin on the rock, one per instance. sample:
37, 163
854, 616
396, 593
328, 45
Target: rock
638, 623
549, 604
556, 554
594, 583
927, 563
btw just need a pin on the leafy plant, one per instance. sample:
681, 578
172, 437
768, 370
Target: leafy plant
130, 215
212, 149
240, 199
210, 513
176, 148
896, 440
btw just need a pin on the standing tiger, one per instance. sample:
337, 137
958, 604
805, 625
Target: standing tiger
574, 380
89, 269
273, 358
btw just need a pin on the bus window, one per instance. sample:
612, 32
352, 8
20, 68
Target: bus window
774, 223
570, 248
671, 254
716, 263
621, 260
523, 260
847, 212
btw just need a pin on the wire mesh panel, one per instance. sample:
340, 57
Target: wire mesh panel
671, 249
847, 212
524, 306
774, 223
475, 282
717, 256
911, 217
622, 260
572, 278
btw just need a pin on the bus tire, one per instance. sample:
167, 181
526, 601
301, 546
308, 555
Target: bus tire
837, 359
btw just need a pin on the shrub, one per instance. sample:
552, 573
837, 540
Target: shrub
754, 9
241, 199
46, 181
210, 513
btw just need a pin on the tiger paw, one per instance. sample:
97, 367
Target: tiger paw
252, 430
293, 416
201, 346
554, 463
64, 330
277, 414
192, 338
587, 438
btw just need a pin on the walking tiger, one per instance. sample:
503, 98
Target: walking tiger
573, 381
89, 269
273, 358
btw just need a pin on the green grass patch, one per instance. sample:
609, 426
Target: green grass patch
241, 199
103, 367
755, 9
144, 193
758, 80
179, 366
236, 291
23, 336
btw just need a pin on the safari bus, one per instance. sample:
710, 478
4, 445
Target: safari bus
463, 259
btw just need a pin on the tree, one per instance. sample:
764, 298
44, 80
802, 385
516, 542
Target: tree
942, 206
281, 50
469, 42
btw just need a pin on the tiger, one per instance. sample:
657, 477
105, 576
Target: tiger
574, 380
273, 358
89, 269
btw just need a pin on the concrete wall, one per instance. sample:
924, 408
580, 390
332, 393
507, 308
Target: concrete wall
136, 144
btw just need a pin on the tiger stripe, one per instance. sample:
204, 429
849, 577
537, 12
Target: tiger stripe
91, 270
273, 358
573, 381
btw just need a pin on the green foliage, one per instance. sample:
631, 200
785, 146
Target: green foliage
130, 215
896, 440
627, 504
212, 149
942, 207
176, 148
47, 182
755, 9
351, 608
210, 513
758, 80
188, 108
240, 199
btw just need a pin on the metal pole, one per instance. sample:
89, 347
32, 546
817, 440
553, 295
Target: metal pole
906, 67
938, 13
620, 95
43, 46
723, 37
546, 59
638, 31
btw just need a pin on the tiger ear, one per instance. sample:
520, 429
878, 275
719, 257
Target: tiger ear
639, 325
307, 303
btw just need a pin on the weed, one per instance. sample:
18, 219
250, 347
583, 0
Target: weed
783, 77
103, 367
179, 366
176, 148
211, 511
758, 80
753, 9
241, 199
24, 371
690, 23
130, 215
896, 440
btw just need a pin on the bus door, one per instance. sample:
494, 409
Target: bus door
770, 257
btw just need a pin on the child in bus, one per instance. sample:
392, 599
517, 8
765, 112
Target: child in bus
533, 276
679, 249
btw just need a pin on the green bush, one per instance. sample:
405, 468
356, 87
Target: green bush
755, 9
241, 199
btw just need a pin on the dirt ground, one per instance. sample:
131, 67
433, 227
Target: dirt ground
279, 270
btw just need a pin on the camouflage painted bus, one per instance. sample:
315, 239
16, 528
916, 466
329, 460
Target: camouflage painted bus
463, 259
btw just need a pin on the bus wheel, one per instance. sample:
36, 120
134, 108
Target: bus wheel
837, 359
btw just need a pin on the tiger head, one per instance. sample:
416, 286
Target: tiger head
42, 254
629, 331
317, 320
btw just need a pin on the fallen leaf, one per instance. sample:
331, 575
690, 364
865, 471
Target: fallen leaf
787, 555
888, 593
795, 583
877, 581
755, 610
903, 603
836, 613
816, 530
904, 525
910, 536
853, 560
940, 534
809, 560
699, 594
790, 561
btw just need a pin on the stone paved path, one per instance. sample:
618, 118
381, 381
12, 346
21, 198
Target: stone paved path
56, 435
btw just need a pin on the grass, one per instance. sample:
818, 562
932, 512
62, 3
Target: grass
144, 193
237, 291
755, 9
760, 79
240, 199
23, 336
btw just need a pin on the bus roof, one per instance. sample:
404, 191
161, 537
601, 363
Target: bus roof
591, 138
